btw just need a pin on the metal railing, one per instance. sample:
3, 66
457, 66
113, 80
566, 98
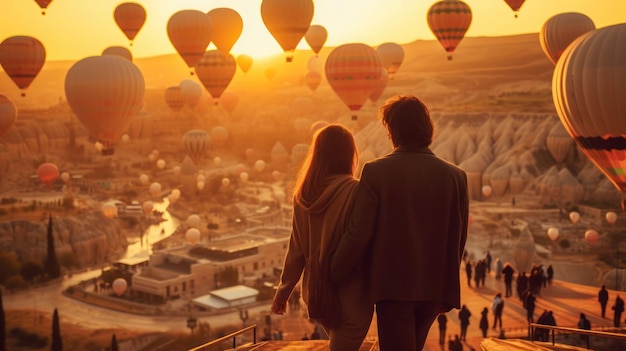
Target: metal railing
226, 337
551, 329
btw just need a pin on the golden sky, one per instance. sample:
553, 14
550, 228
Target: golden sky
74, 29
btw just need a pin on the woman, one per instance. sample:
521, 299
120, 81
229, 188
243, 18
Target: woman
323, 197
484, 321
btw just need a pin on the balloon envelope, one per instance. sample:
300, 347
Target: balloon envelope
22, 57
196, 142
174, 98
193, 235
449, 20
553, 233
591, 236
190, 32
8, 114
109, 210
316, 36
611, 217
43, 4
515, 5
391, 56
191, 91
287, 21
228, 26
561, 30
244, 62
574, 217
312, 80
130, 17
119, 286
215, 72
48, 173
118, 51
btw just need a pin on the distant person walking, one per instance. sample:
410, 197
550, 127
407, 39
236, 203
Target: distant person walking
497, 307
584, 323
499, 268
617, 308
529, 304
442, 320
603, 298
464, 316
508, 272
468, 272
484, 321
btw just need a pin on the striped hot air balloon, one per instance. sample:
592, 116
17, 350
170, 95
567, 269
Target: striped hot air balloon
561, 30
22, 57
196, 142
174, 98
8, 114
449, 20
215, 72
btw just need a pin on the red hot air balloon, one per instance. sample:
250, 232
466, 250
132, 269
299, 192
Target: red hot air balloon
22, 58
588, 88
561, 30
353, 71
287, 21
215, 72
48, 173
130, 17
515, 5
449, 21
105, 93
190, 32
43, 4
8, 114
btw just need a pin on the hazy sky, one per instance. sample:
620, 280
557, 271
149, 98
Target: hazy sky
74, 29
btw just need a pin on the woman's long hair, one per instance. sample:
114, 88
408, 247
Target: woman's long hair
333, 153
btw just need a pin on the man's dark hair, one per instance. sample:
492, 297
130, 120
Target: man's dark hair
408, 121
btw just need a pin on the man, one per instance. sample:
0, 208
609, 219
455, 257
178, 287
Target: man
443, 324
618, 308
407, 230
603, 298
508, 272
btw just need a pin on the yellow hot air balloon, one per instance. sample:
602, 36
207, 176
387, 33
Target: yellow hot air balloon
118, 51
391, 56
105, 93
174, 98
588, 88
43, 4
287, 21
21, 58
449, 21
190, 32
316, 36
8, 114
561, 30
215, 72
227, 24
244, 62
353, 71
130, 17
229, 101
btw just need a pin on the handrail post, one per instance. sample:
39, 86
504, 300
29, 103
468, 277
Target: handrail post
552, 337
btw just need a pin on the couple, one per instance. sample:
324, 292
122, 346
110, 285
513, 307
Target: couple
394, 239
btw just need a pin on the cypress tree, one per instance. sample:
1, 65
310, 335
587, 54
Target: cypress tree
57, 343
52, 266
3, 336
114, 346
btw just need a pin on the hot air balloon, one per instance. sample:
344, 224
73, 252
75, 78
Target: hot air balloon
109, 210
193, 221
259, 165
190, 32
227, 24
130, 17
48, 173
43, 4
383, 79
219, 135
21, 58
515, 5
553, 233
192, 235
244, 176
244, 62
353, 71
313, 80
591, 236
119, 286
155, 188
174, 98
229, 101
559, 143
611, 217
574, 217
225, 182
196, 142
105, 93
65, 177
191, 92
287, 21
118, 51
160, 163
561, 30
217, 160
144, 179
391, 56
316, 36
487, 190
588, 88
449, 21
215, 72
8, 114
147, 207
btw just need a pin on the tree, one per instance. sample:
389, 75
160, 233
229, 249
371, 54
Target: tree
31, 269
53, 268
114, 346
57, 342
3, 336
10, 266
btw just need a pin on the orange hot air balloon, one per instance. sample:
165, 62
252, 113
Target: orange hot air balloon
588, 88
43, 4
130, 17
227, 24
229, 101
215, 72
244, 62
287, 21
190, 32
515, 5
313, 80
561, 30
21, 58
48, 173
105, 93
449, 21
191, 92
8, 114
391, 56
174, 98
353, 71
118, 51
380, 87
316, 36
